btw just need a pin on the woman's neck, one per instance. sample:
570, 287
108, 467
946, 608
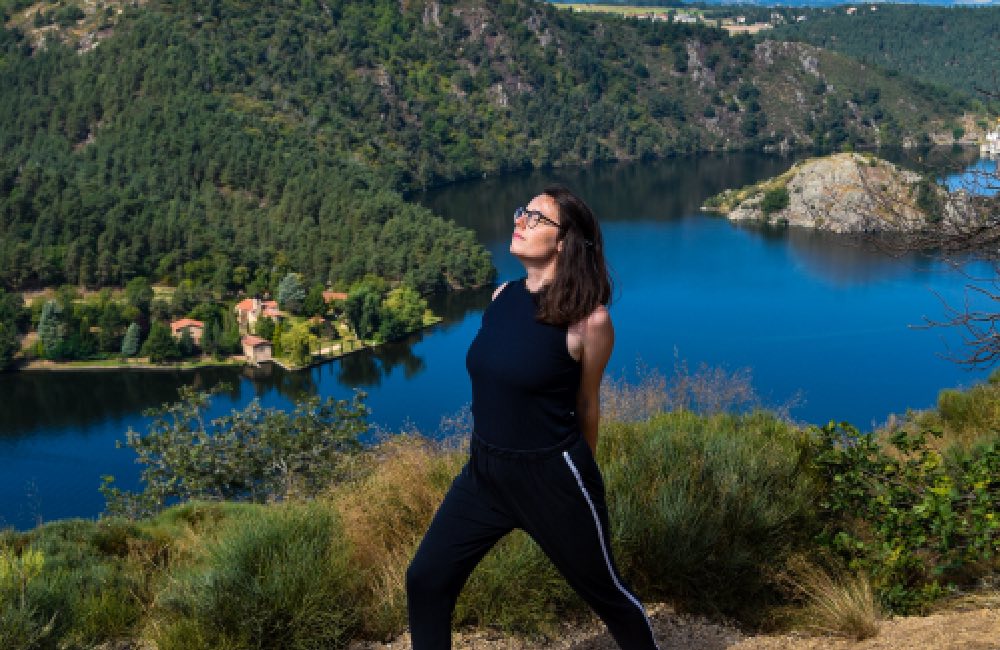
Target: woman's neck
539, 276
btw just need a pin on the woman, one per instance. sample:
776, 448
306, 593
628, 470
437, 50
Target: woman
536, 366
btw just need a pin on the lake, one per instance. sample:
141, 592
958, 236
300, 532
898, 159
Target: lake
809, 315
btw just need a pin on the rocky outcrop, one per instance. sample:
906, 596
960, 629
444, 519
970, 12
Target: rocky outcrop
842, 193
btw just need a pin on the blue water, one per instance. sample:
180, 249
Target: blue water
809, 315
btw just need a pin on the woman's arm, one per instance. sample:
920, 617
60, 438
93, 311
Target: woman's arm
597, 336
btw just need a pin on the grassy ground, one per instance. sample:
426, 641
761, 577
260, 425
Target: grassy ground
711, 513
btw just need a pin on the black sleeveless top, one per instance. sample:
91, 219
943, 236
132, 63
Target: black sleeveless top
524, 381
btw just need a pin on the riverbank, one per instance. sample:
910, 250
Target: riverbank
330, 352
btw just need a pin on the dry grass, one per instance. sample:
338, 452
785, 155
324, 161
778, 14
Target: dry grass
385, 515
842, 605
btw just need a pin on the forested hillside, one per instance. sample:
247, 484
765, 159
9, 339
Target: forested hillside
226, 140
955, 46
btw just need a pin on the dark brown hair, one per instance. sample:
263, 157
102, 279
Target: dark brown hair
582, 282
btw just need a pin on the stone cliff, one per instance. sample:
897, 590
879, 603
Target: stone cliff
844, 193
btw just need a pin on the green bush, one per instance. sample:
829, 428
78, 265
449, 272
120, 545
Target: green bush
917, 522
705, 509
79, 594
254, 454
276, 577
775, 200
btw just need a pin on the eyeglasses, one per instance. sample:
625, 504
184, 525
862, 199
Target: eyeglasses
533, 217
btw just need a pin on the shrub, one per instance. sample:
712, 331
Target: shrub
276, 577
775, 200
705, 509
68, 589
964, 417
898, 511
254, 454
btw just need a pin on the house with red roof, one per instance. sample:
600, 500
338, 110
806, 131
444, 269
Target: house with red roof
249, 310
194, 327
256, 349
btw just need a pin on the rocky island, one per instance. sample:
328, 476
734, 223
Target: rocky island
842, 193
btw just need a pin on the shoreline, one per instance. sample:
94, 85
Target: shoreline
234, 361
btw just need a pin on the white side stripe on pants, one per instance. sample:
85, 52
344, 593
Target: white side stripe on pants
604, 549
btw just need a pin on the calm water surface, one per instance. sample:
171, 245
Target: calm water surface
808, 314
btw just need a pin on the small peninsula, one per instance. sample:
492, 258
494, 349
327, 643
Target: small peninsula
841, 193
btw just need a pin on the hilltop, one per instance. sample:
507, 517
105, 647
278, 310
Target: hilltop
219, 141
946, 45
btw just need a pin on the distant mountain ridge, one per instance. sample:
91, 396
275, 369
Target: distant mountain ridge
952, 46
194, 139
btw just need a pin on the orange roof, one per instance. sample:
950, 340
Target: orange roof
254, 341
185, 322
334, 295
246, 304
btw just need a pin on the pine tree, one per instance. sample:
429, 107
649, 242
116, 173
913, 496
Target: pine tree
130, 344
10, 343
210, 338
291, 294
50, 330
160, 346
186, 343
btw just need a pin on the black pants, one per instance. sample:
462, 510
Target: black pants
556, 495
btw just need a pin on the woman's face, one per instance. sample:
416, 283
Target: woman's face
540, 243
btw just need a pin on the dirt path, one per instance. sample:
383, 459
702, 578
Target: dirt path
977, 629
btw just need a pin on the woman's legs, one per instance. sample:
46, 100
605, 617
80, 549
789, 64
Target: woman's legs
571, 527
558, 499
464, 529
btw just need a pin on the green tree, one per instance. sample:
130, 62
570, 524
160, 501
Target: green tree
314, 304
264, 328
51, 331
210, 337
139, 294
363, 309
775, 200
130, 344
10, 344
160, 346
298, 342
291, 294
406, 305
255, 454
186, 344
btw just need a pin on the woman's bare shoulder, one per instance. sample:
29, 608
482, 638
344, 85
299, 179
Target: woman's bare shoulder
597, 323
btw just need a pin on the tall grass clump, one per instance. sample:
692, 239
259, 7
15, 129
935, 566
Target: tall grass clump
706, 510
275, 577
841, 605
68, 584
964, 417
385, 514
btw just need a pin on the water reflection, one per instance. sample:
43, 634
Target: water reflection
52, 401
664, 189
